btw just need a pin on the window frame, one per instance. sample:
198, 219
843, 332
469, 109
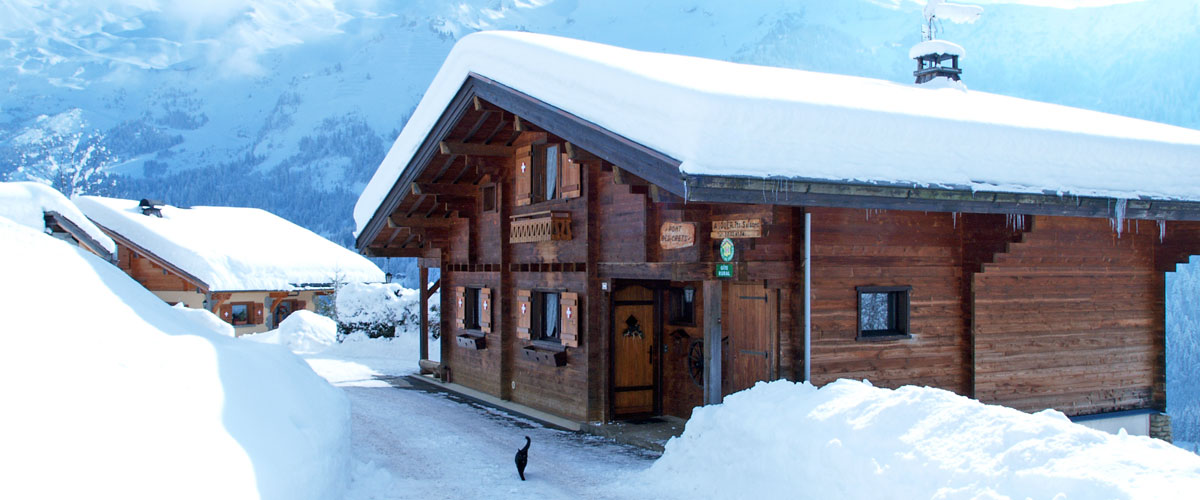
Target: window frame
537, 322
677, 296
489, 198
899, 313
471, 309
249, 314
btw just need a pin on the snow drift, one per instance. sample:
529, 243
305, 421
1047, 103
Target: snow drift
302, 332
111, 393
851, 440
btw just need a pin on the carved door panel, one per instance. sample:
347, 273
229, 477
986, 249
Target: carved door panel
635, 388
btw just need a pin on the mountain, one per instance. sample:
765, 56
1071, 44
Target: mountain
290, 106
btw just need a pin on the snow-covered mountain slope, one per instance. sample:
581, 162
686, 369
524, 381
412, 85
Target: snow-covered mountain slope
290, 106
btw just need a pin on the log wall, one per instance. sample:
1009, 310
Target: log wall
853, 247
1071, 318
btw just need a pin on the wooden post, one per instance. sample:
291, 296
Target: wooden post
423, 286
712, 342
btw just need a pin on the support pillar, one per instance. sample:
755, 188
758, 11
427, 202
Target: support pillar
422, 285
712, 342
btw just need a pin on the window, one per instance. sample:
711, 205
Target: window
283, 310
547, 324
681, 308
487, 195
883, 312
545, 173
240, 313
471, 312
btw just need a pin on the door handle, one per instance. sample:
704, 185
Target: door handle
650, 354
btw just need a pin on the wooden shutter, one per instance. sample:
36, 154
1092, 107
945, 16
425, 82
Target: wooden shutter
524, 312
459, 311
568, 179
524, 166
485, 310
227, 313
256, 313
569, 304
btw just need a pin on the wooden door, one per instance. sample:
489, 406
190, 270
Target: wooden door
635, 388
753, 316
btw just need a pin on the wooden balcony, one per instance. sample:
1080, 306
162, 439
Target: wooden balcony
540, 226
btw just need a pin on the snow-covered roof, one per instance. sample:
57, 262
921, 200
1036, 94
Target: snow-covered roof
936, 47
232, 248
27, 203
723, 118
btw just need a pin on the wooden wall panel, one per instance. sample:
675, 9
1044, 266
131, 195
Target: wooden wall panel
560, 390
618, 207
477, 369
150, 275
1071, 318
853, 247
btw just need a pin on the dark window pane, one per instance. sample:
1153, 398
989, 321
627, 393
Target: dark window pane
874, 311
551, 320
241, 314
551, 172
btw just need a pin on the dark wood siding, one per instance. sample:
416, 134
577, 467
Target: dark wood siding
854, 247
1071, 318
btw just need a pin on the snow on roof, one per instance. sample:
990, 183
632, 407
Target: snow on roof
725, 118
936, 47
26, 203
231, 248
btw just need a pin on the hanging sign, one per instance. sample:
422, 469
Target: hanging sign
739, 228
677, 235
726, 250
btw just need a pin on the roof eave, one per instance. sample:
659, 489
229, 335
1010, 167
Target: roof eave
897, 196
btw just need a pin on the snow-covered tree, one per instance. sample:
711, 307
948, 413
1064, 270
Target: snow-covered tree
59, 150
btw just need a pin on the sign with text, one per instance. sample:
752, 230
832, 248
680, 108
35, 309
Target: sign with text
724, 270
677, 235
738, 228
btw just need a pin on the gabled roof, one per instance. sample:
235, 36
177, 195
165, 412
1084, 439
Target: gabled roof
231, 248
43, 207
710, 123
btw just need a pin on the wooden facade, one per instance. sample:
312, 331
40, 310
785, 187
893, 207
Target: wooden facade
1031, 301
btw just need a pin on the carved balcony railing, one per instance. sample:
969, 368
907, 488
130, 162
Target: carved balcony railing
540, 226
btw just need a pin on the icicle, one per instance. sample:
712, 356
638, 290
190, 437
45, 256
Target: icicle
1162, 230
1118, 220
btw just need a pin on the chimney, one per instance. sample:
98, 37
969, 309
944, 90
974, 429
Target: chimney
151, 207
932, 56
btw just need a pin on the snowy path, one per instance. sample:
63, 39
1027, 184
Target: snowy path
413, 443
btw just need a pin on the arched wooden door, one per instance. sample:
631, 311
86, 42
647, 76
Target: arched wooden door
634, 335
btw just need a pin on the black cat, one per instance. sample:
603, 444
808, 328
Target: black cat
523, 458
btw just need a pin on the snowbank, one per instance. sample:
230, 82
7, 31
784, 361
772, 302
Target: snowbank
713, 117
851, 440
374, 302
205, 320
302, 332
27, 202
110, 393
233, 248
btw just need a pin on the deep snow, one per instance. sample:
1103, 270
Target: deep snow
233, 248
27, 202
713, 117
110, 393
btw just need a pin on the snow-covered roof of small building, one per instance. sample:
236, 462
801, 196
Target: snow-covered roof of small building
936, 47
27, 204
233, 248
722, 118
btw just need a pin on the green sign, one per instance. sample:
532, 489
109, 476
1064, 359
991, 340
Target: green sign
724, 270
726, 250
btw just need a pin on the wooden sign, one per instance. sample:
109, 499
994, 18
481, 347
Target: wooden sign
739, 228
677, 235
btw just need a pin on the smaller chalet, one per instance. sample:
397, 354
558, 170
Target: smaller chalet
248, 266
38, 205
624, 234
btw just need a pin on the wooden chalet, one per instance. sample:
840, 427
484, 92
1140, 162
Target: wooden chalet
590, 275
197, 257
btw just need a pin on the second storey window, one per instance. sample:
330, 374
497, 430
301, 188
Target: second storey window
883, 312
545, 173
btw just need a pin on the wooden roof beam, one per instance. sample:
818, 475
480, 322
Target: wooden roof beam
440, 189
471, 149
484, 106
578, 154
412, 222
